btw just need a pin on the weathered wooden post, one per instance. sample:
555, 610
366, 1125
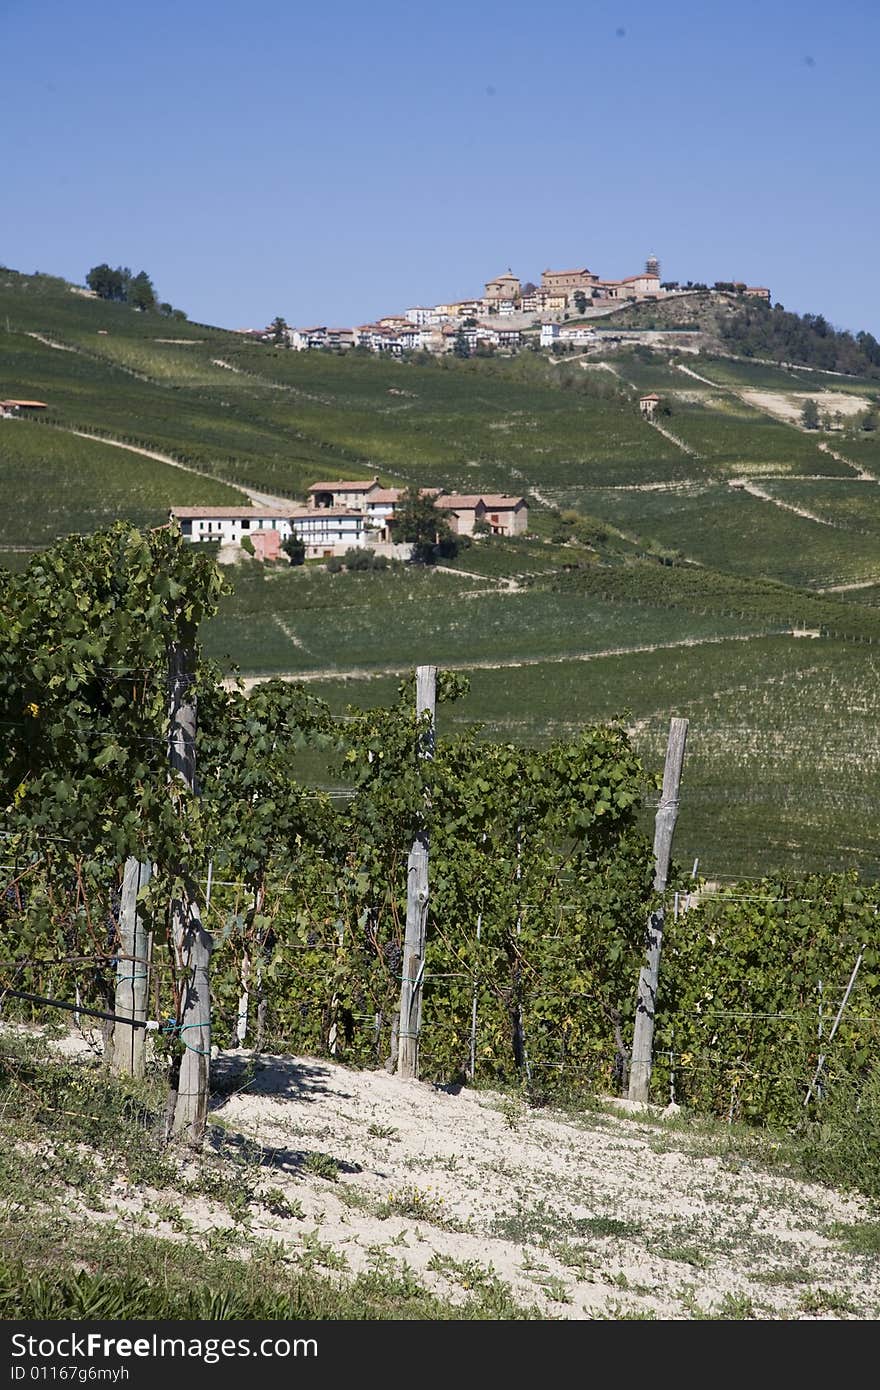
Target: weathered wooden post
187, 1112
410, 1025
664, 829
132, 973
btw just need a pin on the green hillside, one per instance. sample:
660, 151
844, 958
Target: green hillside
579, 621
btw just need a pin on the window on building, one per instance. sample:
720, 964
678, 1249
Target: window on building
186, 527
245, 523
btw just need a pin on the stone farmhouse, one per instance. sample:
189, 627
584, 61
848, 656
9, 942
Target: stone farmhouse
505, 516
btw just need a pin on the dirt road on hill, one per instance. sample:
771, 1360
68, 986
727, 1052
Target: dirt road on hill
357, 673
256, 499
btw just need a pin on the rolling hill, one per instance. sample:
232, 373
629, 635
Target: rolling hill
723, 565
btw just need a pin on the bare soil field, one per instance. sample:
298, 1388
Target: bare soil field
787, 405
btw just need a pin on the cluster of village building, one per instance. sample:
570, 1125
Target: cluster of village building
341, 515
496, 319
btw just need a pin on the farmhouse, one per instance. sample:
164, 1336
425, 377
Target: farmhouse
505, 516
326, 531
342, 494
228, 525
329, 530
649, 405
380, 504
13, 408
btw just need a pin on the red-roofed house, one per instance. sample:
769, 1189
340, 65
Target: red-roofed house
505, 516
342, 494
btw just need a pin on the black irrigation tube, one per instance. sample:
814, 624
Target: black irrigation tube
74, 1008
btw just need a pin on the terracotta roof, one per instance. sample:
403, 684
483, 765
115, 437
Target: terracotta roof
312, 513
469, 501
34, 405
394, 494
252, 513
222, 512
359, 485
651, 396
452, 503
384, 494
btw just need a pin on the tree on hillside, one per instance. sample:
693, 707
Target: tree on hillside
141, 294
108, 283
417, 519
580, 301
120, 286
461, 346
810, 415
868, 421
279, 331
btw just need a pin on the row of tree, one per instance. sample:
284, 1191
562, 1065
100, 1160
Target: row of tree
122, 286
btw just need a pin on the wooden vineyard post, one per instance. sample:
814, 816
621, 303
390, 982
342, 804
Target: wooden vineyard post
413, 962
132, 973
187, 1112
664, 829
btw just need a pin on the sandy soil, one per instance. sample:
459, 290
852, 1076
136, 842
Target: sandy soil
787, 405
603, 1215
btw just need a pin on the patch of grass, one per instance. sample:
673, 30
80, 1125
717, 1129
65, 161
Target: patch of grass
57, 1270
786, 1277
821, 1301
418, 1203
860, 1237
681, 1254
383, 1131
322, 1166
607, 1226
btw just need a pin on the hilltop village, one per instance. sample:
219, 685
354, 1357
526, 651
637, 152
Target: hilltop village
508, 315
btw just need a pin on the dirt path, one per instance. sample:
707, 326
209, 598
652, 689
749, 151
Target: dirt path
257, 499
673, 438
326, 673
505, 585
50, 342
746, 485
688, 371
844, 588
862, 473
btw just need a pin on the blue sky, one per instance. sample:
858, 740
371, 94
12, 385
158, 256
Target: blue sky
332, 162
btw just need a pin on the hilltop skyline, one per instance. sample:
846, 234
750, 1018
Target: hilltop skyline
338, 164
